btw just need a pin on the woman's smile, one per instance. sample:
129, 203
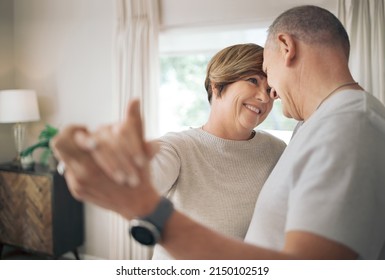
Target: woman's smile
253, 108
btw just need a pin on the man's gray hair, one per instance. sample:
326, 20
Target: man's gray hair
312, 25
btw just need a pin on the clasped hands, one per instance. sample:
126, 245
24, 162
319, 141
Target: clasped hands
110, 166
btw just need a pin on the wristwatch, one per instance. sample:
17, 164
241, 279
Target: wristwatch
148, 230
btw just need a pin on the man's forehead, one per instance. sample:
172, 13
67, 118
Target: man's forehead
264, 60
264, 67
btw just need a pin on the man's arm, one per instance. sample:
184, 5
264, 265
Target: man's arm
185, 239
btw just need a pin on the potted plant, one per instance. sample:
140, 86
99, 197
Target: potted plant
44, 138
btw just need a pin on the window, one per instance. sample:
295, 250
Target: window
183, 99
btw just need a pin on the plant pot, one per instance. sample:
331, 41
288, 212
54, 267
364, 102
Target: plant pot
27, 162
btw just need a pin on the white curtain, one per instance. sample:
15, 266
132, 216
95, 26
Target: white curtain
364, 21
136, 62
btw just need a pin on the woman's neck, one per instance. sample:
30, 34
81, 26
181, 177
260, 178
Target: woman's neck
223, 132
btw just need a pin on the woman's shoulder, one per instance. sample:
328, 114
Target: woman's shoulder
179, 137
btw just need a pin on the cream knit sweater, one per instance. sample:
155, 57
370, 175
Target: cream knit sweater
213, 180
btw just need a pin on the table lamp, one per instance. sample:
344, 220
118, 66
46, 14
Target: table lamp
18, 106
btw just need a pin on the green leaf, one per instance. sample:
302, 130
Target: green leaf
29, 150
48, 133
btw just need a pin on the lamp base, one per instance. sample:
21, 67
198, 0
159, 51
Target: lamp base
19, 133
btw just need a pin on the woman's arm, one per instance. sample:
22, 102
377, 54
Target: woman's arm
165, 167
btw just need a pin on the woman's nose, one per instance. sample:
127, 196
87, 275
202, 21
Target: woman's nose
262, 95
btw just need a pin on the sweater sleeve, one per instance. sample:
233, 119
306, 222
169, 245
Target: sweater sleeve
165, 167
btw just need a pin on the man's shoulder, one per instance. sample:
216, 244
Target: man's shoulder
354, 101
348, 108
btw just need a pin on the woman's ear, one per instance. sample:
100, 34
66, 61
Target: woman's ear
214, 90
287, 47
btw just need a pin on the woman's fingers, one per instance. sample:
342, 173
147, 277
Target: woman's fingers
92, 160
119, 149
111, 157
133, 128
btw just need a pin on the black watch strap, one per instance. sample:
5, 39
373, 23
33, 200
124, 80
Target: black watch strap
148, 230
160, 215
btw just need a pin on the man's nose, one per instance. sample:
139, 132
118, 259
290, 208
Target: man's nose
273, 94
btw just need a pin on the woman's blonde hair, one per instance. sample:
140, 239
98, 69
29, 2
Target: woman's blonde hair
233, 64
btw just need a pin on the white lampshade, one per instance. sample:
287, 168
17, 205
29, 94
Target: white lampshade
18, 105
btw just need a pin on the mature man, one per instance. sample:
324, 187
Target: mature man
325, 199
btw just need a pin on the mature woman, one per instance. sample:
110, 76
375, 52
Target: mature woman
214, 173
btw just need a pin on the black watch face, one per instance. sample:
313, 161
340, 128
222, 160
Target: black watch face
143, 235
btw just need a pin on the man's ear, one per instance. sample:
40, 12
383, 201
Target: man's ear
287, 47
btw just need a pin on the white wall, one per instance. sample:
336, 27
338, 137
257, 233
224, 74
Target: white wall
183, 23
7, 147
63, 49
202, 13
6, 44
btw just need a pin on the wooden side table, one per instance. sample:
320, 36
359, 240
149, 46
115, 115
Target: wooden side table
38, 214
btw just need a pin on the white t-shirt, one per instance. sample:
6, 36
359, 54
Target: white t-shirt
330, 180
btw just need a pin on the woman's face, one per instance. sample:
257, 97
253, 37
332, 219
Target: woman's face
246, 102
